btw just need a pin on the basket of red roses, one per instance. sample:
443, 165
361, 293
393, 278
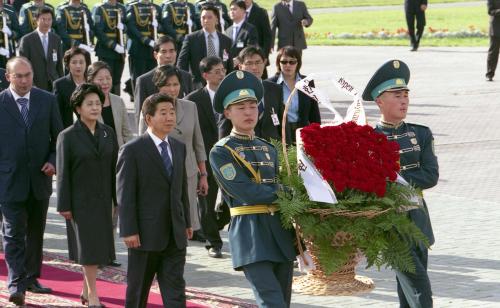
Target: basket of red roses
356, 169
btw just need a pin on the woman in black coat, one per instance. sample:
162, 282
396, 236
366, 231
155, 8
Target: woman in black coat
86, 160
76, 60
303, 110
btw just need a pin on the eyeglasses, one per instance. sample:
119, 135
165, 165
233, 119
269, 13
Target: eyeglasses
218, 71
291, 62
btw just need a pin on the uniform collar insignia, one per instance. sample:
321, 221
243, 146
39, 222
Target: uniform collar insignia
241, 136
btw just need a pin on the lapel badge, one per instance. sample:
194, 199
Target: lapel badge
413, 141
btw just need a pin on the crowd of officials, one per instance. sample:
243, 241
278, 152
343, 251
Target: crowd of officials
64, 112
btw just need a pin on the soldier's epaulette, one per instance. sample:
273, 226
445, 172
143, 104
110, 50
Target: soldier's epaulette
222, 142
417, 125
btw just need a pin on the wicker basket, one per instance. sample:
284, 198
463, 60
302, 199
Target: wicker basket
342, 282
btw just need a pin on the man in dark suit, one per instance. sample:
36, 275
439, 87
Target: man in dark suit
202, 43
165, 53
271, 107
154, 207
290, 17
242, 33
494, 12
212, 71
415, 11
44, 50
30, 123
258, 17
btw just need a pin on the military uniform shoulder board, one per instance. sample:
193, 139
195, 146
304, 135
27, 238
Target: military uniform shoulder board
222, 142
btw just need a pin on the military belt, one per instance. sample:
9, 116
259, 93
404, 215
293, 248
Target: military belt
253, 209
111, 34
76, 36
146, 33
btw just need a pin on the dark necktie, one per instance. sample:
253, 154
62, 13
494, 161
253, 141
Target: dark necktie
166, 158
23, 102
261, 108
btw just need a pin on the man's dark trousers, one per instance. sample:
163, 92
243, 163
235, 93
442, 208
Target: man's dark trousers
415, 14
23, 227
208, 215
492, 56
169, 267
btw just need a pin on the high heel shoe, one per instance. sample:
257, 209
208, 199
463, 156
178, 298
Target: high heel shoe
83, 299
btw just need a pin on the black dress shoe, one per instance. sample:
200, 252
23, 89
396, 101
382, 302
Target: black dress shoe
115, 263
36, 287
215, 252
489, 78
17, 298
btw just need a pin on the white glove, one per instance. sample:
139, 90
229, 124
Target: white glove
152, 44
310, 264
120, 26
4, 52
154, 23
87, 27
7, 31
87, 48
119, 49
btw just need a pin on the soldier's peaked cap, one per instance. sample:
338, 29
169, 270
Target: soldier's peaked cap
236, 87
393, 75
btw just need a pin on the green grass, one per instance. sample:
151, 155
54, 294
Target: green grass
452, 19
268, 4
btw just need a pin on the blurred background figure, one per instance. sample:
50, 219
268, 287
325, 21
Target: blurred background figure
44, 50
86, 160
167, 80
290, 17
491, 64
303, 110
242, 33
258, 17
415, 12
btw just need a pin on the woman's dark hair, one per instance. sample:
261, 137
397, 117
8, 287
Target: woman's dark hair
82, 91
151, 103
73, 51
291, 52
163, 73
94, 69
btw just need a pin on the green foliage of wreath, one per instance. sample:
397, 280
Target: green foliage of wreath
385, 240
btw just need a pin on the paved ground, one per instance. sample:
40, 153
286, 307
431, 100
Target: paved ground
449, 94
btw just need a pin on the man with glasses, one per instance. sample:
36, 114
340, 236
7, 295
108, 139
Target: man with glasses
213, 72
165, 53
252, 59
30, 123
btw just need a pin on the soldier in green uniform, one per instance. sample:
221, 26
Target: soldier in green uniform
29, 13
179, 18
246, 168
109, 24
225, 21
9, 33
419, 167
143, 28
71, 26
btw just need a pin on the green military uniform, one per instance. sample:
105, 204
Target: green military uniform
109, 35
419, 167
29, 13
70, 25
246, 169
175, 19
140, 32
8, 42
220, 6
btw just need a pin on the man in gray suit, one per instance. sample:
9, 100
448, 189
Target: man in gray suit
29, 125
154, 208
290, 17
44, 50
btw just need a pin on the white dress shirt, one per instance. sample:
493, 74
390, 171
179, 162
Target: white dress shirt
157, 142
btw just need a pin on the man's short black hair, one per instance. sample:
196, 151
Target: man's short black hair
151, 103
250, 51
207, 63
239, 3
210, 7
162, 40
45, 10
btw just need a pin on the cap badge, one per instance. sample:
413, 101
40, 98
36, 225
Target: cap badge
395, 64
240, 75
400, 81
243, 93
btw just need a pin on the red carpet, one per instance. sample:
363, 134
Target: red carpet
67, 286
